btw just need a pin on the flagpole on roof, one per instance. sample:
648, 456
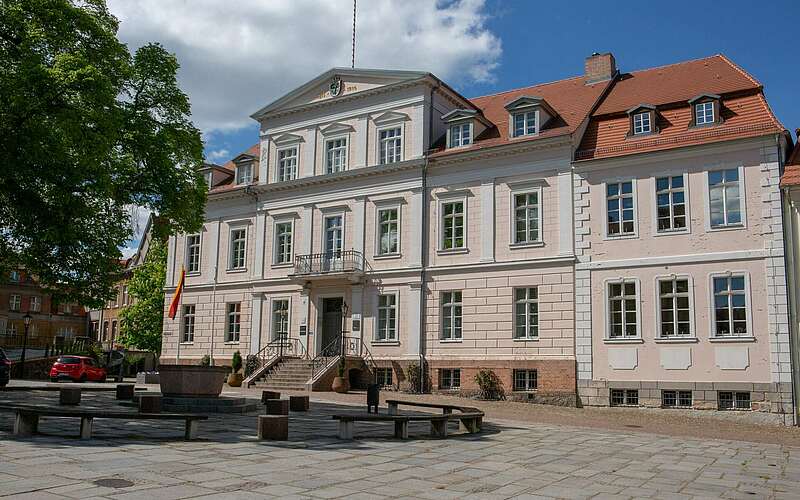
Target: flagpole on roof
353, 60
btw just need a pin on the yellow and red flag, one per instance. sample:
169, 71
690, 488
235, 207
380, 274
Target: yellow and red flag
176, 298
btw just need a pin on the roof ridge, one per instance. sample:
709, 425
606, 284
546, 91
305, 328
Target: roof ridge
740, 70
698, 59
526, 87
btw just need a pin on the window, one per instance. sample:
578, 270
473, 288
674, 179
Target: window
383, 377
335, 155
11, 330
234, 317
280, 318
730, 306
124, 295
460, 135
283, 242
704, 113
244, 173
670, 204
453, 225
36, 304
333, 235
526, 123
105, 331
388, 231
238, 248
733, 400
193, 253
450, 378
624, 397
67, 308
188, 323
209, 177
287, 164
387, 318
451, 315
619, 200
14, 302
526, 313
724, 198
13, 276
623, 314
675, 310
676, 399
641, 123
527, 219
390, 142
525, 380
113, 330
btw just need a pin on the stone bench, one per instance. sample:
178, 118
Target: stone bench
69, 396
266, 395
124, 392
277, 406
150, 403
438, 423
470, 419
273, 427
299, 403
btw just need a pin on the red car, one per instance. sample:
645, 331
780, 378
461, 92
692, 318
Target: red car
77, 369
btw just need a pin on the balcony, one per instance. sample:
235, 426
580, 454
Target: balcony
347, 264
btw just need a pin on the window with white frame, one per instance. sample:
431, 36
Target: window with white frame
11, 329
526, 313
450, 378
641, 123
674, 308
527, 217
525, 380
334, 235
451, 315
238, 249
670, 204
193, 253
336, 155
676, 399
704, 112
14, 302
287, 164
620, 211
280, 318
725, 198
33, 329
233, 322
388, 231
283, 242
244, 173
113, 330
453, 225
387, 318
209, 176
460, 135
188, 323
730, 306
390, 145
623, 315
526, 123
36, 304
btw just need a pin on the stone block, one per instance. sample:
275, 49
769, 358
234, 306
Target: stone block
298, 403
273, 427
265, 395
69, 395
150, 403
277, 406
125, 392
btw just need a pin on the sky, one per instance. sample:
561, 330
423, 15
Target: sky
238, 56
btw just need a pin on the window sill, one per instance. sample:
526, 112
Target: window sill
526, 339
531, 244
387, 256
283, 265
449, 389
451, 341
193, 273
524, 391
232, 342
452, 251
620, 237
187, 343
381, 343
677, 340
732, 339
623, 341
233, 271
671, 233
731, 227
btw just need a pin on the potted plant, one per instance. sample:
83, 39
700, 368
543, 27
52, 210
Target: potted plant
236, 377
340, 382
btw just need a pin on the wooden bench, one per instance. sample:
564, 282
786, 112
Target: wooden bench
438, 423
470, 419
26, 422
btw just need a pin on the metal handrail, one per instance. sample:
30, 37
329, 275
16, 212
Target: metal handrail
329, 262
327, 356
281, 347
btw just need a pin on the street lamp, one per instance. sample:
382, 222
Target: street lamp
344, 321
26, 320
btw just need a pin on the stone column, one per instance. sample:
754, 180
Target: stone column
255, 322
307, 241
213, 250
360, 143
565, 229
258, 257
414, 340
487, 221
263, 160
359, 223
417, 226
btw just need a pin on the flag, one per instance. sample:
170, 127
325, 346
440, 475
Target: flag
176, 298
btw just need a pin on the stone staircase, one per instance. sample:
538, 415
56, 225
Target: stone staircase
290, 374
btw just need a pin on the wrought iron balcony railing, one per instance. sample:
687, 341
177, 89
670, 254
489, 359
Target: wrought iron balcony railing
346, 261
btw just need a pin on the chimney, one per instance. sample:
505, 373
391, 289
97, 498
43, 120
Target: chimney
600, 67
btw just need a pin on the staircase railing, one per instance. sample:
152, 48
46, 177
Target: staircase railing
326, 357
281, 347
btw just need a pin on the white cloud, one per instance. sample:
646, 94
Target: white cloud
218, 155
237, 56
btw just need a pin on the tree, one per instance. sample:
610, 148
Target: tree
86, 130
141, 322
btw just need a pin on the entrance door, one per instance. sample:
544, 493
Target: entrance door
331, 323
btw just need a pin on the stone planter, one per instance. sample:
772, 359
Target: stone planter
188, 380
235, 379
340, 385
147, 378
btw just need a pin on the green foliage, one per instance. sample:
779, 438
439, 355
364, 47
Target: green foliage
490, 385
205, 361
342, 366
86, 130
141, 323
84, 348
253, 363
236, 362
414, 376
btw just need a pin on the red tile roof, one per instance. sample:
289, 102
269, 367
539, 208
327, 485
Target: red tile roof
254, 150
745, 112
791, 174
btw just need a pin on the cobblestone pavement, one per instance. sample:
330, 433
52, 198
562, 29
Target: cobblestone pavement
149, 460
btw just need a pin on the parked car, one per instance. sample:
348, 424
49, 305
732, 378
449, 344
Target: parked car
5, 368
77, 369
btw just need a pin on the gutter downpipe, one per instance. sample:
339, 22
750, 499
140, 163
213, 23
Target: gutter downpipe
214, 294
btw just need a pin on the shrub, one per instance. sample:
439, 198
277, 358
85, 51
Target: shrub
413, 376
490, 385
206, 361
236, 362
253, 363
342, 366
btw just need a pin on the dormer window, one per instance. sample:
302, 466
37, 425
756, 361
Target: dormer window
641, 123
642, 120
705, 110
209, 176
528, 115
460, 135
244, 173
526, 123
704, 113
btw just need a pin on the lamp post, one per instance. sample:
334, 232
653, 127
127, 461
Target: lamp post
26, 320
344, 321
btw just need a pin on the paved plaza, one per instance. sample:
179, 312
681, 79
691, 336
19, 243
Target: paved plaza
149, 460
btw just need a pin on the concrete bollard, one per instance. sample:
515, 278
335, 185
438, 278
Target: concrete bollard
265, 395
69, 395
273, 427
125, 392
277, 406
298, 403
150, 403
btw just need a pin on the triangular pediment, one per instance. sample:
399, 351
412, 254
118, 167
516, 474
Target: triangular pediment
337, 128
390, 117
285, 139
